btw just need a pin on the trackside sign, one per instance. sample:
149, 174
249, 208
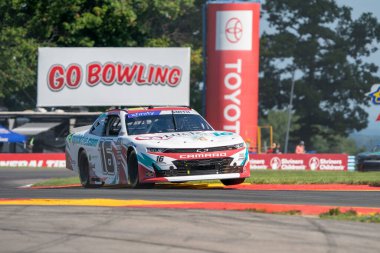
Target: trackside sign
113, 76
314, 162
233, 67
52, 160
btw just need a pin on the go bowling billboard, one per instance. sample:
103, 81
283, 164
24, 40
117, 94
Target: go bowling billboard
113, 76
232, 56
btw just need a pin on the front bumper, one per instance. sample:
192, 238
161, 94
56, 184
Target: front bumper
193, 178
208, 172
199, 167
175, 167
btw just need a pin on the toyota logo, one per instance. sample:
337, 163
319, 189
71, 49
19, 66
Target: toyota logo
234, 30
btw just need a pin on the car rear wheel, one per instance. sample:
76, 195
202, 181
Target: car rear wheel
84, 174
133, 172
84, 171
232, 181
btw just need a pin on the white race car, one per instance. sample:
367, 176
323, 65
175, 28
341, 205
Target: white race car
144, 146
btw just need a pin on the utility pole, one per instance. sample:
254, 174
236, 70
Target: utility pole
290, 107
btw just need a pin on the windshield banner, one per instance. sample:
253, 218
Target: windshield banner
113, 76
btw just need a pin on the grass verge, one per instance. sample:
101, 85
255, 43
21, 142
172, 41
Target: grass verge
59, 181
350, 215
314, 177
276, 177
332, 214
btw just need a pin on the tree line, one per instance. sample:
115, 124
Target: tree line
319, 41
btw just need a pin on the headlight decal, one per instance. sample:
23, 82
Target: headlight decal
146, 160
246, 157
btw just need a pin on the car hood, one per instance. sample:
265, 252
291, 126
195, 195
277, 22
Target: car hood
201, 139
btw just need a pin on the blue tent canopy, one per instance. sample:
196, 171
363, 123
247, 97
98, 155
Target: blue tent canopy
9, 136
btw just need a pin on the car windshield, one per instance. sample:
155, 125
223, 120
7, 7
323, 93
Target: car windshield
166, 123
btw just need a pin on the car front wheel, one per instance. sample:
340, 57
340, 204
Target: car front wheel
232, 181
133, 172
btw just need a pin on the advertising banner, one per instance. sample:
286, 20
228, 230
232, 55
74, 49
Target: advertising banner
54, 160
314, 162
232, 67
113, 76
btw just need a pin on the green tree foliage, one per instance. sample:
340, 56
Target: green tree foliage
326, 47
279, 120
29, 24
336, 144
317, 38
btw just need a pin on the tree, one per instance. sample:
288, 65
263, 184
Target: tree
337, 144
278, 120
29, 24
325, 47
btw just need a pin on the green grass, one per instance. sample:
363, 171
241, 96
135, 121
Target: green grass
278, 177
314, 177
59, 181
332, 214
350, 215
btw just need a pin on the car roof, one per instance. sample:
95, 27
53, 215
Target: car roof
150, 109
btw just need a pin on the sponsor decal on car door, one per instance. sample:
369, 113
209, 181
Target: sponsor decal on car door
108, 155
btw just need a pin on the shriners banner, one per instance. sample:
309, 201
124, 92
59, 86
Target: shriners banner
314, 162
113, 76
232, 67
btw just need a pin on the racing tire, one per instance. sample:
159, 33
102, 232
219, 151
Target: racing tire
233, 181
133, 173
84, 171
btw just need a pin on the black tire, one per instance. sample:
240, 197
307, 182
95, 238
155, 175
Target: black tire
84, 171
133, 173
232, 181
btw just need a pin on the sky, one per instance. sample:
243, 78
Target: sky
359, 7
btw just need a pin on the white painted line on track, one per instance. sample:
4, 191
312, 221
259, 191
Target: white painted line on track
26, 186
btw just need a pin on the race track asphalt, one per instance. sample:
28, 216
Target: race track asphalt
53, 229
10, 179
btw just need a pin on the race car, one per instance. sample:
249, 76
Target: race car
369, 161
143, 146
